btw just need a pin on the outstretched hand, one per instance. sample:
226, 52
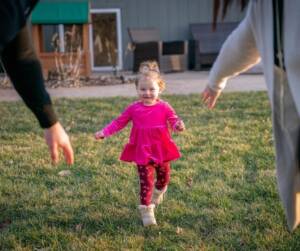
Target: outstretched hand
99, 135
57, 138
180, 126
209, 97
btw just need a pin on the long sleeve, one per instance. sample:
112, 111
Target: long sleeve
117, 124
172, 117
238, 54
24, 70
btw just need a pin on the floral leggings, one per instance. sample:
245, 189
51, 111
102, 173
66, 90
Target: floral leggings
146, 174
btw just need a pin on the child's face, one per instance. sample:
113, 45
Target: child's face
148, 90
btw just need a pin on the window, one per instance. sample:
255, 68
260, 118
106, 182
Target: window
62, 38
105, 39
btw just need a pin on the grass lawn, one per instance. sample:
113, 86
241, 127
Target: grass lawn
222, 195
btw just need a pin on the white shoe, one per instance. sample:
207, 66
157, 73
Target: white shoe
158, 195
147, 214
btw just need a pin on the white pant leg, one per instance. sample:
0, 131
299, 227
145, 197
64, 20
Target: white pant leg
286, 133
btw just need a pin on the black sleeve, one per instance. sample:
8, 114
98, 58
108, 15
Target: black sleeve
24, 69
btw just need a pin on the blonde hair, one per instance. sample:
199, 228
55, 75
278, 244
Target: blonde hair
150, 70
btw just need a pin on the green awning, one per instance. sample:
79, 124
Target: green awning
61, 12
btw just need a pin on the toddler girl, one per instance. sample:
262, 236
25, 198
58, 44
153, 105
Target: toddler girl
150, 145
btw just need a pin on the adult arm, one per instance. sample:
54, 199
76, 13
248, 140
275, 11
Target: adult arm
238, 54
24, 69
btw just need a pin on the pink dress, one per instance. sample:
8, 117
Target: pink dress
150, 139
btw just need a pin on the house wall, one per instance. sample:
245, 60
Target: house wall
172, 17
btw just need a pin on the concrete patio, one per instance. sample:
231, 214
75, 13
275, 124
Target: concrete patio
177, 83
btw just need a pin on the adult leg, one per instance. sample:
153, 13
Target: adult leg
286, 126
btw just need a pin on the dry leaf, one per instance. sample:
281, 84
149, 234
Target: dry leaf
78, 227
179, 230
189, 182
42, 249
64, 173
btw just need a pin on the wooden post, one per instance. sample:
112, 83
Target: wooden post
86, 50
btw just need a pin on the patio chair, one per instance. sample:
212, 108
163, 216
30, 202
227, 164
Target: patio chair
171, 56
208, 42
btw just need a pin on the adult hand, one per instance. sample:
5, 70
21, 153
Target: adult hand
209, 97
99, 135
57, 138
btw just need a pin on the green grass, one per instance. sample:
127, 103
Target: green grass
222, 194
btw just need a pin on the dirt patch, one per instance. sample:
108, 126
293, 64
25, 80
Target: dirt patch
4, 224
101, 80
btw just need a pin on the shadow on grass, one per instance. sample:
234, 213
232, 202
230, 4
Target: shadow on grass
43, 226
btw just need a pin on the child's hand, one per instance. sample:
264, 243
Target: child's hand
180, 126
99, 135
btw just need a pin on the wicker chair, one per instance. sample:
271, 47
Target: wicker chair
171, 56
208, 42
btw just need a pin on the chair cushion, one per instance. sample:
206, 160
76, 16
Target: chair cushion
140, 35
174, 47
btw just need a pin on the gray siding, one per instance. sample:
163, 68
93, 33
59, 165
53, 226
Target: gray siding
172, 17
